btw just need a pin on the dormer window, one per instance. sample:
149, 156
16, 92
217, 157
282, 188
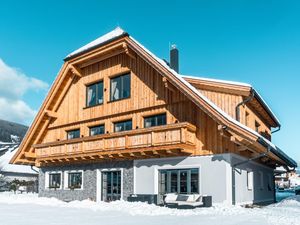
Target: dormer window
120, 87
94, 94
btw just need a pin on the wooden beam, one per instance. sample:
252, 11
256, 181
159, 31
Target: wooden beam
51, 114
30, 155
168, 85
128, 51
76, 71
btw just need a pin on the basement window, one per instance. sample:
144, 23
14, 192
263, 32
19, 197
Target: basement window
54, 180
123, 126
156, 120
71, 134
120, 87
74, 180
96, 130
94, 94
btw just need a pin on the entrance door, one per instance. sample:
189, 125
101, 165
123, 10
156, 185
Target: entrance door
111, 185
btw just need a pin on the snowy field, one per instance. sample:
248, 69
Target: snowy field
28, 209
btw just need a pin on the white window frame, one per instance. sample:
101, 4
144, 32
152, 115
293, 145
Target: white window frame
66, 179
47, 180
99, 182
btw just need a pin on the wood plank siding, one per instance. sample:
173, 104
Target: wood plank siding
193, 126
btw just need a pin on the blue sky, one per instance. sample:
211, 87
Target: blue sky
249, 41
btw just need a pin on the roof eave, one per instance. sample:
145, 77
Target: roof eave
95, 46
279, 153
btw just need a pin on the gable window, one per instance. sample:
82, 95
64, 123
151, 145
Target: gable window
96, 130
74, 180
94, 94
71, 134
120, 87
54, 180
156, 120
123, 125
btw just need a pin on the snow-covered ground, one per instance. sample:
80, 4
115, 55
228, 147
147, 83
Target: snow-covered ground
28, 209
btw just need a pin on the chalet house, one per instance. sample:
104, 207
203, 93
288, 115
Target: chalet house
119, 121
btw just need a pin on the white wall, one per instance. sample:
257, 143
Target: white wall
214, 174
262, 191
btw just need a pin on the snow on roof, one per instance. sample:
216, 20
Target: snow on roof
239, 84
117, 32
217, 80
6, 167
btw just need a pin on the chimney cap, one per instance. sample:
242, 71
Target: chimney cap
173, 46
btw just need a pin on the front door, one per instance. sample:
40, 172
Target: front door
111, 185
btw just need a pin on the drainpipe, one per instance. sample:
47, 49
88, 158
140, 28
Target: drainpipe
31, 167
237, 108
278, 129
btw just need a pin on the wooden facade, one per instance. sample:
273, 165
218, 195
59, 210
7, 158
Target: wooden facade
192, 128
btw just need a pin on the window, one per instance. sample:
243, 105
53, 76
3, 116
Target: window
122, 126
54, 180
74, 180
250, 180
156, 120
181, 181
247, 119
94, 94
120, 87
257, 125
71, 134
96, 130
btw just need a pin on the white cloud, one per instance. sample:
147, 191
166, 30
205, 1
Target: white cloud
13, 85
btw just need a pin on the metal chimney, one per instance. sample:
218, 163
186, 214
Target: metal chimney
174, 58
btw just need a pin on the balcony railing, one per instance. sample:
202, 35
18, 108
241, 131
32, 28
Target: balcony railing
179, 137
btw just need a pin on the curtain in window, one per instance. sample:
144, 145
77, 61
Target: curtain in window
115, 90
91, 95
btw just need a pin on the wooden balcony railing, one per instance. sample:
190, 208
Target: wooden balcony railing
176, 138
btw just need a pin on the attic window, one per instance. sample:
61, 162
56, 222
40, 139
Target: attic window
94, 94
120, 87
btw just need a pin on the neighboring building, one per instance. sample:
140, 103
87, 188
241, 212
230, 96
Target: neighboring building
9, 172
119, 121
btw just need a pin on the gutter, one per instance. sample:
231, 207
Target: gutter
279, 153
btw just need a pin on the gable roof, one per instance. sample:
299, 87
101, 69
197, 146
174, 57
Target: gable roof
243, 86
176, 79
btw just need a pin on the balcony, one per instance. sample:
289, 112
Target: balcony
160, 141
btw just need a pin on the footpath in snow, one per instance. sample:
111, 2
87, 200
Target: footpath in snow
28, 209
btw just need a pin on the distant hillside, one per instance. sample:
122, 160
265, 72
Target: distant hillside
11, 132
